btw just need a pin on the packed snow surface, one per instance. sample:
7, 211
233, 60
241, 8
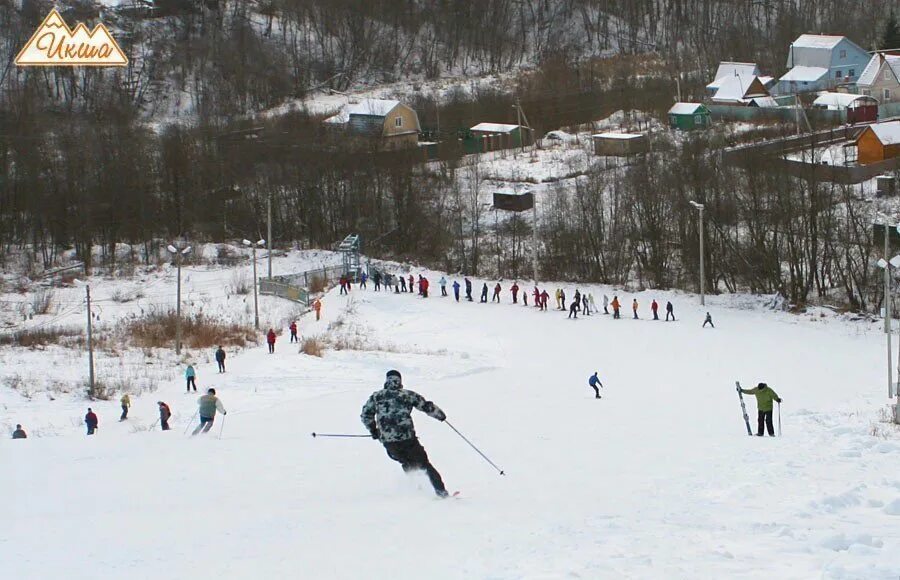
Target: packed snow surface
658, 479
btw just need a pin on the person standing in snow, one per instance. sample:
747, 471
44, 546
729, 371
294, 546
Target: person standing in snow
654, 307
126, 404
670, 311
165, 413
425, 285
208, 404
293, 328
496, 296
585, 306
536, 294
615, 304
386, 415
443, 283
515, 292
220, 358
634, 308
411, 280
376, 277
525, 298
708, 320
468, 289
402, 284
544, 298
558, 302
562, 299
593, 304
190, 375
484, 291
764, 397
19, 433
605, 304
593, 382
91, 421
343, 283
456, 290
576, 305
317, 306
270, 339
362, 281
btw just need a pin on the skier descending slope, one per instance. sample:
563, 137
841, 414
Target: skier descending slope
593, 382
387, 417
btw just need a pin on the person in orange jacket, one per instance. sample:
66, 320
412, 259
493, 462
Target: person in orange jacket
270, 338
634, 307
317, 306
615, 304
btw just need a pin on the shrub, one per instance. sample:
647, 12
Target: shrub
317, 284
240, 284
41, 301
99, 392
312, 347
38, 337
157, 330
121, 296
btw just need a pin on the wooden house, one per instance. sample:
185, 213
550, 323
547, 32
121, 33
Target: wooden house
687, 116
620, 144
495, 136
859, 108
878, 142
396, 124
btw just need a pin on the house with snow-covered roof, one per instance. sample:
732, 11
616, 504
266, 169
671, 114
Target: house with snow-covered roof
819, 62
729, 69
740, 90
687, 116
396, 124
494, 136
881, 78
878, 142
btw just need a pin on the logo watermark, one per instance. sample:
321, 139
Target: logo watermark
55, 44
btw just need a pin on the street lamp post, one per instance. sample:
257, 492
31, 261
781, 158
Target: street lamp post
700, 207
253, 246
178, 249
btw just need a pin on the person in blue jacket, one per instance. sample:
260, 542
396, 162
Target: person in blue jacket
593, 382
456, 290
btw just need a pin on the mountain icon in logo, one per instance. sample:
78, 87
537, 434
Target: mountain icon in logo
55, 44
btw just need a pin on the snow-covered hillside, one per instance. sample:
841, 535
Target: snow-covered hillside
656, 480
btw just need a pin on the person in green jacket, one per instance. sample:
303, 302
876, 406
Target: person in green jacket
208, 405
764, 398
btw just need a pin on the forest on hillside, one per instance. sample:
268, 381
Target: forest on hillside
169, 145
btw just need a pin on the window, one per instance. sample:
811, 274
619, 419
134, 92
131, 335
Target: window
887, 94
837, 74
698, 119
851, 73
867, 92
843, 54
398, 121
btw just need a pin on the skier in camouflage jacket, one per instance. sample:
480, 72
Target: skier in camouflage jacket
387, 417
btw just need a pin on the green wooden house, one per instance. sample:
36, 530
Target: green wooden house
687, 116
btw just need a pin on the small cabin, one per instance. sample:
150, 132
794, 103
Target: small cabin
878, 142
688, 116
495, 136
620, 144
396, 124
859, 108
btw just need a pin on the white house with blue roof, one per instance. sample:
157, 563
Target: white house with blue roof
819, 62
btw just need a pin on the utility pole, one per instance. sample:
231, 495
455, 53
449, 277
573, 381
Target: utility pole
534, 233
90, 341
179, 250
700, 207
253, 247
887, 306
519, 124
269, 232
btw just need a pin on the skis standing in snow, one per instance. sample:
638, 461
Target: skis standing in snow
386, 415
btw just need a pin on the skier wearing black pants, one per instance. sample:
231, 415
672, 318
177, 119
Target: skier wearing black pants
386, 415
708, 320
764, 398
593, 382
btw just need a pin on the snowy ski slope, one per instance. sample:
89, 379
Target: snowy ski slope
656, 480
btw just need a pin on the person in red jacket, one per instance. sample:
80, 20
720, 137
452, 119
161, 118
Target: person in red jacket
91, 421
424, 286
270, 338
411, 280
537, 297
496, 296
515, 292
294, 332
544, 298
654, 307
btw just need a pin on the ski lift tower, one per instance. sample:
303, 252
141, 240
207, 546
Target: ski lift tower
350, 248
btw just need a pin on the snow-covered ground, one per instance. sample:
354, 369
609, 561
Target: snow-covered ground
656, 480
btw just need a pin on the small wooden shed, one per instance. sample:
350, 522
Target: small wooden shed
687, 116
878, 142
494, 136
620, 144
859, 108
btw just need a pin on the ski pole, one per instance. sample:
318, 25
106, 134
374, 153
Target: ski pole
779, 419
222, 428
475, 448
153, 426
314, 434
191, 422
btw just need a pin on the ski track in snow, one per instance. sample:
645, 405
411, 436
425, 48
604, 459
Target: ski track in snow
656, 480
